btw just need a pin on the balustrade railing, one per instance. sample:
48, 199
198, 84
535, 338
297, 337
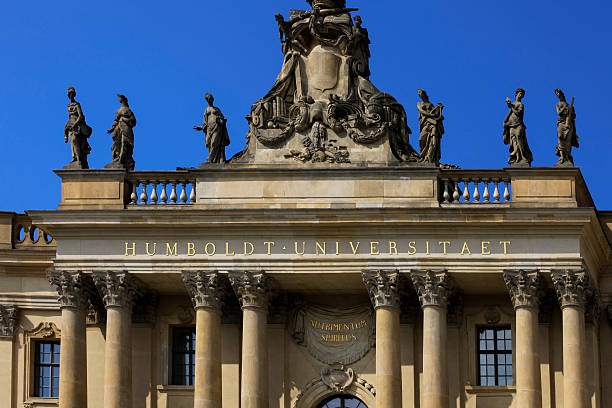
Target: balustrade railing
161, 189
468, 187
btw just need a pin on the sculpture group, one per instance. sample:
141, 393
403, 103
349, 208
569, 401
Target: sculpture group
323, 108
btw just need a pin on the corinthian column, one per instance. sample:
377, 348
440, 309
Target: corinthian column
205, 290
383, 288
432, 288
252, 289
524, 287
73, 294
118, 291
573, 289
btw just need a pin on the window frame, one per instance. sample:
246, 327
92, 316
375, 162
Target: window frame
53, 389
174, 353
45, 331
496, 353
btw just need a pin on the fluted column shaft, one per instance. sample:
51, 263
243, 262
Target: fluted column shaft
118, 291
383, 288
523, 287
432, 289
252, 290
573, 290
73, 295
205, 291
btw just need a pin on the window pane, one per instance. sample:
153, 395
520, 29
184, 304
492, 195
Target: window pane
490, 359
502, 381
490, 345
483, 345
508, 344
489, 334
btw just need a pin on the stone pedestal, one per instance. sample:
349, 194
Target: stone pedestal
118, 291
432, 289
252, 290
573, 288
204, 290
383, 288
73, 294
523, 287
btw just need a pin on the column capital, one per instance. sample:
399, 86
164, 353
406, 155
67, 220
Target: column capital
524, 287
8, 321
573, 287
118, 289
383, 287
431, 286
72, 288
252, 288
205, 289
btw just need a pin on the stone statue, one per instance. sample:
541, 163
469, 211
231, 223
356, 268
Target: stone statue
323, 108
515, 132
77, 132
123, 137
566, 131
215, 129
431, 123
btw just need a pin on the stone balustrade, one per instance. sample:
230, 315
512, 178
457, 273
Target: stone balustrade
475, 187
161, 188
18, 232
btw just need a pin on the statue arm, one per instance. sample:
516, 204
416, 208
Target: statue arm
115, 123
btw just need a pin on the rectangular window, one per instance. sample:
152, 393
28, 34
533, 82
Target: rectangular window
46, 369
183, 355
495, 356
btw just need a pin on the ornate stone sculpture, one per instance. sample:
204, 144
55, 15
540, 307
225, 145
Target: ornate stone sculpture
383, 288
251, 288
524, 288
72, 288
204, 288
515, 133
123, 137
77, 132
432, 287
214, 127
573, 288
566, 131
117, 289
323, 107
432, 128
8, 320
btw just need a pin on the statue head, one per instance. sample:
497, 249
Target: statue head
423, 94
327, 4
122, 99
71, 92
560, 94
520, 93
358, 21
209, 98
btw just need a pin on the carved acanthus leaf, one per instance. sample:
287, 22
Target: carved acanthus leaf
383, 288
8, 320
573, 287
431, 286
251, 288
524, 287
118, 289
72, 288
204, 288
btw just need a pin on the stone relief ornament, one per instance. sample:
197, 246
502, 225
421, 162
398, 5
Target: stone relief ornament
204, 288
383, 288
338, 378
573, 288
123, 137
8, 320
515, 133
77, 132
432, 287
252, 288
566, 131
72, 287
214, 127
45, 330
431, 124
525, 287
323, 107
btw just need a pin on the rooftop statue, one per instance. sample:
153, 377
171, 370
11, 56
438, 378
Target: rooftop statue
566, 131
432, 128
515, 132
123, 137
77, 132
323, 107
214, 127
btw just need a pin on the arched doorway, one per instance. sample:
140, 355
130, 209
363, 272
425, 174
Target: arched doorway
342, 401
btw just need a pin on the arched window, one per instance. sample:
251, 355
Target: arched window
342, 401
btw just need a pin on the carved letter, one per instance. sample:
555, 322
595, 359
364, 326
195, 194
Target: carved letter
154, 249
374, 248
505, 244
128, 249
227, 250
210, 249
354, 248
321, 249
392, 248
191, 249
337, 248
249, 248
485, 248
269, 245
445, 244
466, 248
303, 248
412, 248
171, 251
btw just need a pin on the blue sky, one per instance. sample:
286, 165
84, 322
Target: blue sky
164, 56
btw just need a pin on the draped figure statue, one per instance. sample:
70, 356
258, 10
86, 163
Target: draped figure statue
515, 133
123, 137
214, 127
431, 124
77, 132
566, 131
